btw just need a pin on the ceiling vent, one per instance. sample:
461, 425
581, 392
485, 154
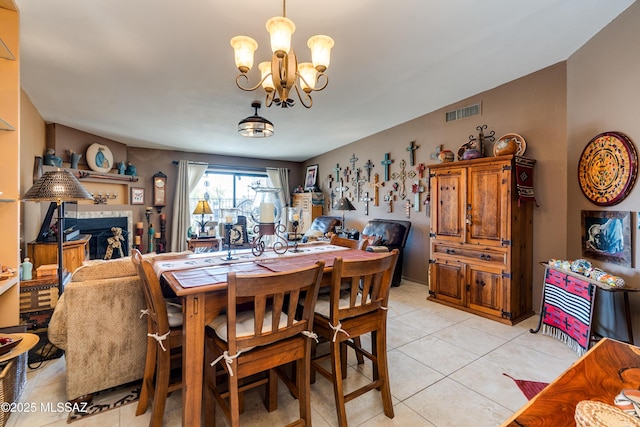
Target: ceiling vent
464, 112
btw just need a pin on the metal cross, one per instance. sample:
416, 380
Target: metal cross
357, 183
337, 171
402, 176
386, 162
366, 199
407, 208
420, 168
332, 200
376, 186
345, 173
368, 166
342, 189
416, 189
353, 161
412, 152
388, 200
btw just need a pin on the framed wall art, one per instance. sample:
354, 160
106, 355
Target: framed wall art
607, 168
137, 196
311, 177
606, 236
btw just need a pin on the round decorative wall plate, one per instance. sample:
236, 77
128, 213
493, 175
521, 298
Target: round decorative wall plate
99, 158
607, 169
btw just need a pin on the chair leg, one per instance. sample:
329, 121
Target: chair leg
161, 387
147, 379
272, 391
383, 370
234, 399
303, 372
359, 356
338, 388
209, 384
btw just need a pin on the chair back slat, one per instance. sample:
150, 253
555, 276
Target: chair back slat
277, 292
370, 283
156, 305
349, 243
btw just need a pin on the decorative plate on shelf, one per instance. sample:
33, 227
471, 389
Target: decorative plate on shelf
510, 143
608, 168
99, 158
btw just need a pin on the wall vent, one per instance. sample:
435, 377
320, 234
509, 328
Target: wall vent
464, 112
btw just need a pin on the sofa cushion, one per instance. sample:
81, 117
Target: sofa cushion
98, 269
373, 239
393, 233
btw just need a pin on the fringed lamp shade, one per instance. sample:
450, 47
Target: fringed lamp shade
57, 186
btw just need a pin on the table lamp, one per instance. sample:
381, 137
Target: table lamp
58, 186
202, 208
343, 204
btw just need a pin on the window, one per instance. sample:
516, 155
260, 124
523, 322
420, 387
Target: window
227, 189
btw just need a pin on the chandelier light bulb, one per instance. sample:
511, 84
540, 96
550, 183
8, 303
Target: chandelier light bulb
320, 51
266, 76
280, 29
307, 76
244, 47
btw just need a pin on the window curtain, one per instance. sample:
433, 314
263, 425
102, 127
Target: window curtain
279, 178
188, 176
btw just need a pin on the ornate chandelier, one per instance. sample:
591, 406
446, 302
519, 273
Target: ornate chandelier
283, 73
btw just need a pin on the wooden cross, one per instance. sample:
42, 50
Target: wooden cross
386, 162
388, 200
376, 185
345, 173
420, 168
366, 199
402, 176
337, 171
407, 208
357, 183
368, 166
416, 189
412, 152
329, 181
353, 161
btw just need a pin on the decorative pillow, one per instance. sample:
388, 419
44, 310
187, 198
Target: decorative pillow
373, 239
236, 235
312, 235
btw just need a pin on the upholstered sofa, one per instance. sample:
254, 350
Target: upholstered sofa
391, 234
97, 322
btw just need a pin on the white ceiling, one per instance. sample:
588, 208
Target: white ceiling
160, 73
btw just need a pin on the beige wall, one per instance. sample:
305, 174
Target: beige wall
602, 95
533, 106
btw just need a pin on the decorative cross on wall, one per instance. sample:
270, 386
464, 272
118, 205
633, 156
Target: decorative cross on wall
416, 189
412, 155
329, 181
402, 176
420, 169
342, 189
337, 171
388, 200
407, 208
345, 173
368, 166
332, 200
353, 161
385, 163
366, 199
376, 186
357, 183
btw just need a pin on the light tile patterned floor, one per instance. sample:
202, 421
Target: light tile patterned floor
446, 369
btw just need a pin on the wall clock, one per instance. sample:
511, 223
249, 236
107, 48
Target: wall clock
607, 169
159, 190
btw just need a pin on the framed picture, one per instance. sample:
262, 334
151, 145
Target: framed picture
311, 177
606, 236
137, 196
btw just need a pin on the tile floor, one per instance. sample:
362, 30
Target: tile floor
446, 369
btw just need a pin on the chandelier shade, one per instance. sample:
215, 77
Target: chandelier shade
283, 74
255, 126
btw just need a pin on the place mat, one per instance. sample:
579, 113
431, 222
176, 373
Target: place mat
306, 260
213, 275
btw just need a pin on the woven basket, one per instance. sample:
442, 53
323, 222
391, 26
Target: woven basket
13, 378
590, 413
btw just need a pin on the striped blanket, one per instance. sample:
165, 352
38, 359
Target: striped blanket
567, 309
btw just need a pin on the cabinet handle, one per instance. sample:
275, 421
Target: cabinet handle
450, 251
485, 257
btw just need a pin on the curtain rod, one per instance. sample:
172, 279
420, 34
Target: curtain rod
227, 167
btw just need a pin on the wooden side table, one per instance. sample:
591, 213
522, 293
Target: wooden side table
207, 244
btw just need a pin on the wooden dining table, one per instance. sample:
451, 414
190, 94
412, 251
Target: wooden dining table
200, 281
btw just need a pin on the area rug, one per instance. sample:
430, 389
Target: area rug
106, 400
529, 388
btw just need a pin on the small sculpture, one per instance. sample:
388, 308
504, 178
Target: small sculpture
51, 159
131, 170
74, 158
121, 167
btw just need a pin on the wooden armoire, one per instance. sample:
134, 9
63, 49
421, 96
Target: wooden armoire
481, 239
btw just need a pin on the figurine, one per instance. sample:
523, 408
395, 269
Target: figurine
121, 167
74, 158
131, 170
51, 159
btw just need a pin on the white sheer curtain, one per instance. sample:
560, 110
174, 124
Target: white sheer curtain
188, 176
279, 178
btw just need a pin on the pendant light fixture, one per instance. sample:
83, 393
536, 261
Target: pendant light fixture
255, 126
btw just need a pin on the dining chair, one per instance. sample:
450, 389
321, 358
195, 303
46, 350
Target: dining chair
348, 243
164, 343
270, 335
345, 315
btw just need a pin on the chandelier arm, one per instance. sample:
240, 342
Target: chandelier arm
326, 81
304, 100
268, 100
249, 89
